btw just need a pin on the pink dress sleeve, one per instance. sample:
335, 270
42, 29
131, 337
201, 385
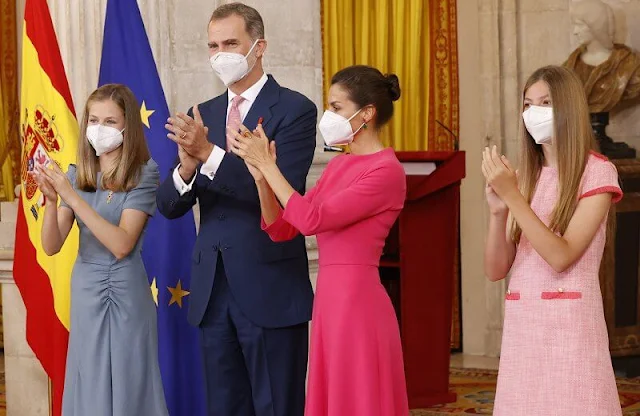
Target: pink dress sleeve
368, 196
601, 177
280, 230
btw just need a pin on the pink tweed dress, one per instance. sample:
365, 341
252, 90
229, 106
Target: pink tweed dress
555, 351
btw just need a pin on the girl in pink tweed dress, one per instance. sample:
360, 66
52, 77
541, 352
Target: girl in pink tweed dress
555, 351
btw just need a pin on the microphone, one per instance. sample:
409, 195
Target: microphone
333, 149
456, 142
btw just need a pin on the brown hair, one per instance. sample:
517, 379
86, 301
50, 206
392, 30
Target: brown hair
367, 86
125, 173
253, 23
573, 141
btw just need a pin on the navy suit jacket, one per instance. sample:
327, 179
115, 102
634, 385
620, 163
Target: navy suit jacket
268, 280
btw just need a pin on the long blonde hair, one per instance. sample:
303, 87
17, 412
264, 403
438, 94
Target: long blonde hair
125, 172
573, 140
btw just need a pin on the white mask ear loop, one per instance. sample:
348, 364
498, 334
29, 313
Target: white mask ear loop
355, 114
361, 126
246, 57
252, 46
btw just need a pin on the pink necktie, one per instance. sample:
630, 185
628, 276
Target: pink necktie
234, 120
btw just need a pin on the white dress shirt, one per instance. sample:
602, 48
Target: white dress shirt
210, 167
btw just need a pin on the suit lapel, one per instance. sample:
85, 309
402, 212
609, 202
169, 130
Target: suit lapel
217, 121
267, 98
216, 117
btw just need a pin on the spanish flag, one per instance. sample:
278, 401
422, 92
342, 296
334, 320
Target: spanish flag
49, 133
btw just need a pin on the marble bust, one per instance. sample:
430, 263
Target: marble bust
610, 72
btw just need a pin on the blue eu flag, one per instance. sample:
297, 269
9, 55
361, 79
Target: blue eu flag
127, 59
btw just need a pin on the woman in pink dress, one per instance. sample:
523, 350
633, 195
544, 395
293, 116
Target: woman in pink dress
551, 233
356, 365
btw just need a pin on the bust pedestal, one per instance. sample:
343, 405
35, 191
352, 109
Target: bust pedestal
609, 148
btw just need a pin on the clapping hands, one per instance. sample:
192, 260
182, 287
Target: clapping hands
501, 179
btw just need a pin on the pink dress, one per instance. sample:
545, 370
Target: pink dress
555, 350
355, 365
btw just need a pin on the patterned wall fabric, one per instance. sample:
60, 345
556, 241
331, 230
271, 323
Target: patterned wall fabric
9, 107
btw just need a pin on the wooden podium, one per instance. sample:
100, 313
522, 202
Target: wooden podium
418, 270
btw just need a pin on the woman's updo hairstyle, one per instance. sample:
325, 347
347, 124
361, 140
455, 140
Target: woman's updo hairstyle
368, 86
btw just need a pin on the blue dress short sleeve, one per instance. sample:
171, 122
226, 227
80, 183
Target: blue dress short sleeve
143, 196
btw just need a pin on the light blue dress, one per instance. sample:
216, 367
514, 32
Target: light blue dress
112, 360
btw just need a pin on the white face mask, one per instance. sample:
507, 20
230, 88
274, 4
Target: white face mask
336, 130
232, 67
539, 123
104, 139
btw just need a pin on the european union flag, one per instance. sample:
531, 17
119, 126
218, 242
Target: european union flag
127, 59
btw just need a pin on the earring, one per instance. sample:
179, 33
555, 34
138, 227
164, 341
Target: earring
364, 126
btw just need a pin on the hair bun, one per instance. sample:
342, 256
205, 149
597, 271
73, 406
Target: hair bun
394, 86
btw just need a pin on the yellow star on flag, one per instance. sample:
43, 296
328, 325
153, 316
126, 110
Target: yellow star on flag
177, 294
145, 114
154, 291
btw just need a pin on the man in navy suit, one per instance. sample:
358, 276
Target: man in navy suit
250, 297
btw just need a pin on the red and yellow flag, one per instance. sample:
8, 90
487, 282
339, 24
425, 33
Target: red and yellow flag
49, 132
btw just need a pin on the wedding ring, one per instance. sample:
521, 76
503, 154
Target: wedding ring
182, 136
246, 134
